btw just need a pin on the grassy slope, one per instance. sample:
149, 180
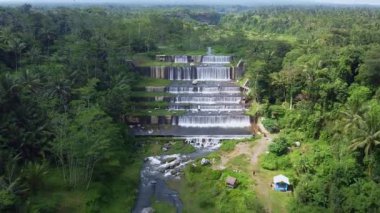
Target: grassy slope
155, 112
151, 105
208, 184
203, 189
145, 81
277, 201
150, 94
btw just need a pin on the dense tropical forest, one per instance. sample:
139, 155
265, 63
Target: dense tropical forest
67, 82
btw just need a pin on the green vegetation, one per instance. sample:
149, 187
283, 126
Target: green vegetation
162, 207
315, 79
229, 145
241, 163
143, 82
151, 105
279, 146
153, 146
271, 125
66, 87
204, 190
150, 94
155, 112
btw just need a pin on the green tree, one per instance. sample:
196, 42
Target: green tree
279, 146
369, 72
83, 142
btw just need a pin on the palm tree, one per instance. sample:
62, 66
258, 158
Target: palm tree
286, 80
16, 46
34, 55
60, 88
365, 133
30, 81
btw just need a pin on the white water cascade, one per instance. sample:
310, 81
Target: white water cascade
218, 120
214, 73
204, 142
180, 59
214, 102
209, 107
189, 73
181, 73
214, 110
207, 99
203, 90
213, 59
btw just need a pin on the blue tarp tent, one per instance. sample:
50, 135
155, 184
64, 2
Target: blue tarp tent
280, 183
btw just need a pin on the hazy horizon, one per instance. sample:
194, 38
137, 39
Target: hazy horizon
198, 2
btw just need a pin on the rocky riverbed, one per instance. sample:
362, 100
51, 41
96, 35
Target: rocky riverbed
159, 169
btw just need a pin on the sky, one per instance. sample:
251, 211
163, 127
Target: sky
241, 2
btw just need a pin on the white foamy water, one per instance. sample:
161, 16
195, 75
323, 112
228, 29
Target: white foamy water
207, 99
209, 108
214, 73
180, 59
214, 59
204, 142
222, 121
203, 90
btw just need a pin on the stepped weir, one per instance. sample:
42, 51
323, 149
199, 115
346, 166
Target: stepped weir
203, 88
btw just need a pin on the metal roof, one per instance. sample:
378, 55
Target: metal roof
281, 178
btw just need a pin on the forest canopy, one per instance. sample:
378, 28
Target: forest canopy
66, 82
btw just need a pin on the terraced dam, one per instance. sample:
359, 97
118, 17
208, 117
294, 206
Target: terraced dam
212, 106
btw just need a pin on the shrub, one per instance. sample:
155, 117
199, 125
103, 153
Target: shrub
283, 162
7, 199
205, 204
269, 162
213, 174
276, 111
273, 162
34, 174
41, 204
279, 146
271, 125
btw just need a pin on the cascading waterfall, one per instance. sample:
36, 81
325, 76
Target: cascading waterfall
209, 108
203, 142
214, 111
189, 73
213, 59
213, 105
203, 90
180, 59
207, 99
214, 73
222, 121
181, 73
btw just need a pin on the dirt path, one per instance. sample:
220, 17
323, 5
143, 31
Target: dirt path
240, 148
246, 148
254, 152
262, 179
262, 183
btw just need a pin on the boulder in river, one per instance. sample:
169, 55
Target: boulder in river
204, 161
161, 169
168, 160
